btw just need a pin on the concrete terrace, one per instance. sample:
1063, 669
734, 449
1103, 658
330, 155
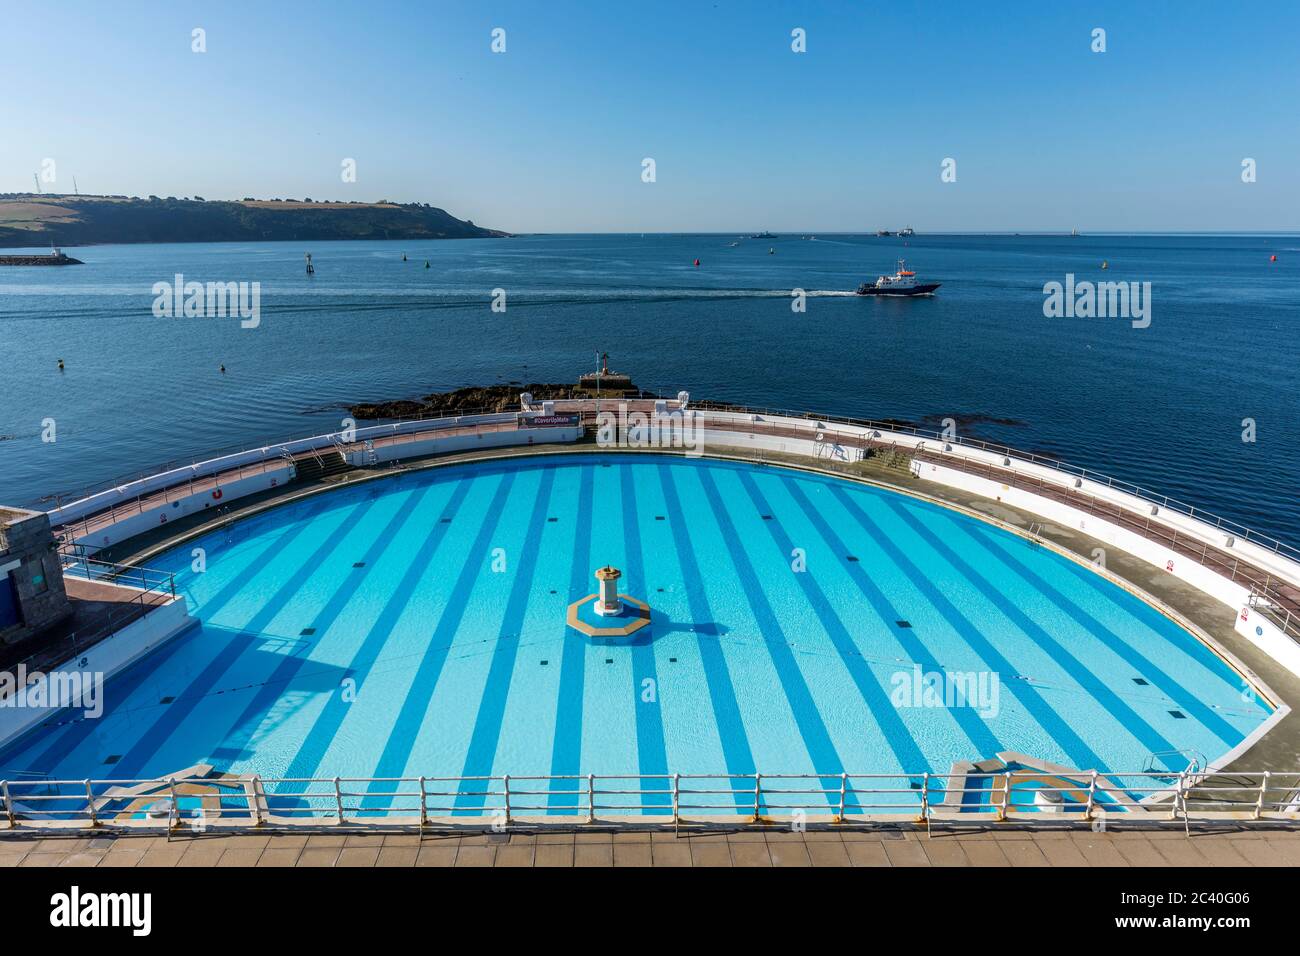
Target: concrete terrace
1223, 847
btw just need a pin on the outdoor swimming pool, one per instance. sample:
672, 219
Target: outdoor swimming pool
415, 625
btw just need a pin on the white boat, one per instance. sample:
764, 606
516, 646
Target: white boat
901, 283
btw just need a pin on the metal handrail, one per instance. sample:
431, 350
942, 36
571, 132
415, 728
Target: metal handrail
1164, 501
1142, 796
152, 588
60, 499
76, 563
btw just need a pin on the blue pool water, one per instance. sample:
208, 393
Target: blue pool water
416, 625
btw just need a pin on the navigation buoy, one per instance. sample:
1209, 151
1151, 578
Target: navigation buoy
311, 269
426, 263
403, 256
1272, 258
221, 369
60, 365
771, 250
1105, 264
697, 263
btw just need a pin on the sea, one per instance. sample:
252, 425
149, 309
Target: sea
1197, 400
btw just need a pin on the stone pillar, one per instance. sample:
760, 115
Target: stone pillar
607, 601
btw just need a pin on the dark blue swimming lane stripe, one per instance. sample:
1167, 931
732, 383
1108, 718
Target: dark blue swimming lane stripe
126, 684
816, 738
246, 724
983, 741
1079, 753
482, 749
316, 744
1114, 705
1142, 664
277, 602
170, 719
405, 730
727, 718
566, 748
206, 610
1158, 624
652, 754
121, 687
907, 754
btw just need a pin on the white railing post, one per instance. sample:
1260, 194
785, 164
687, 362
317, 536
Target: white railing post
1092, 796
1263, 787
9, 804
257, 800
1178, 796
505, 793
591, 798
338, 801
1006, 795
176, 803
90, 805
758, 790
925, 798
844, 786
677, 807
424, 805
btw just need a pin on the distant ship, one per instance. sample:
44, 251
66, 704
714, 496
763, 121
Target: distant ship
763, 235
901, 283
909, 231
883, 232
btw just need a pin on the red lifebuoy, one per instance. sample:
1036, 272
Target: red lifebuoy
217, 495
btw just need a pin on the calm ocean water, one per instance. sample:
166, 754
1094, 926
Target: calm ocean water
1161, 406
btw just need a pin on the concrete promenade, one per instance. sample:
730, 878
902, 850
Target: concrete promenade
1221, 847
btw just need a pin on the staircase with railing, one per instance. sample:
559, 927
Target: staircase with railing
315, 466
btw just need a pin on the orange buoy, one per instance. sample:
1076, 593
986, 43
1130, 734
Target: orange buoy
697, 263
1272, 258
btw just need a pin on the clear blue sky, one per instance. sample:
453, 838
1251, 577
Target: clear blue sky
746, 134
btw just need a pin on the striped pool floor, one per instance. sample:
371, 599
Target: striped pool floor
801, 624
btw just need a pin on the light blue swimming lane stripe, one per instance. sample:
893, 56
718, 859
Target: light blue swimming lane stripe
481, 753
79, 730
1125, 715
405, 730
1079, 753
314, 746
126, 684
727, 719
246, 724
981, 736
173, 716
566, 749
652, 755
1158, 624
907, 754
1144, 666
816, 738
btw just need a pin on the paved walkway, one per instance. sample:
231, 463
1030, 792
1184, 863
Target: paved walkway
1224, 847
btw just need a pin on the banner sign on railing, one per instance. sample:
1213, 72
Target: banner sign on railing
548, 421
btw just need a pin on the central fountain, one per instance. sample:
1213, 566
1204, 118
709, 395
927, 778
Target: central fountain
607, 613
607, 603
